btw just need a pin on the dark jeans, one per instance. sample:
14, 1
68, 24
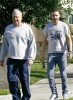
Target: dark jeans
18, 69
61, 60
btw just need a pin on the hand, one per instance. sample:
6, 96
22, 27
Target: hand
70, 55
30, 62
42, 58
2, 63
43, 65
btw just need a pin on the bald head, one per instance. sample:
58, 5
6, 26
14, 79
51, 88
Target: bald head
17, 17
16, 12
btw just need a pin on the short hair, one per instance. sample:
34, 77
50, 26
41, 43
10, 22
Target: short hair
56, 9
17, 10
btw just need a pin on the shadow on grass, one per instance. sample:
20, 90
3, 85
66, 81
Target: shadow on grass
38, 74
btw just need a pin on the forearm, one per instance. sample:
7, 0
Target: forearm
70, 47
32, 53
43, 47
1, 63
32, 50
69, 43
4, 48
44, 42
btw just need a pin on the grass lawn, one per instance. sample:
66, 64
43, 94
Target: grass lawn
37, 73
4, 92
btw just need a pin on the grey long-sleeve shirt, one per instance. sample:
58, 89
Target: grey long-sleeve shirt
18, 43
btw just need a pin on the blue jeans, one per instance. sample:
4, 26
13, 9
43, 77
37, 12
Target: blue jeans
18, 69
61, 60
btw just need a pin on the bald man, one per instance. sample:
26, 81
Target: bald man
19, 43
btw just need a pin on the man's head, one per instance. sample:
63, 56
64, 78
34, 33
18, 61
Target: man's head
17, 17
55, 15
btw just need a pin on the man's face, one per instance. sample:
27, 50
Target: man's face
17, 18
55, 16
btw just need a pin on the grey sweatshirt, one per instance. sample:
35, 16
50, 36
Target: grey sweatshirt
18, 43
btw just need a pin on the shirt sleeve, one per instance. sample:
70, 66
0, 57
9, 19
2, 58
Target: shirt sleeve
45, 31
66, 29
32, 45
4, 47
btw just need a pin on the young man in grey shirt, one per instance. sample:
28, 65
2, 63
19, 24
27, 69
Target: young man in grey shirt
19, 43
58, 35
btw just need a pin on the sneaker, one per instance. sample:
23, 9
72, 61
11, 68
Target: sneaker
53, 97
65, 96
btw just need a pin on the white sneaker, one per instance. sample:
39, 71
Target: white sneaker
53, 97
65, 96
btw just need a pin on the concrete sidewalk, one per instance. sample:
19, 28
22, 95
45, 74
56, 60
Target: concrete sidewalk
41, 91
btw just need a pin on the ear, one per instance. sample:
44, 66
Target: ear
21, 17
60, 14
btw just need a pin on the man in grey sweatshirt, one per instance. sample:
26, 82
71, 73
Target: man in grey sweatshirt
19, 43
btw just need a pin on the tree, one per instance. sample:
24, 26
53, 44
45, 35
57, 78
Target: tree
36, 12
67, 8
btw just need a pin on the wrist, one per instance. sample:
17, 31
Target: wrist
70, 52
30, 59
